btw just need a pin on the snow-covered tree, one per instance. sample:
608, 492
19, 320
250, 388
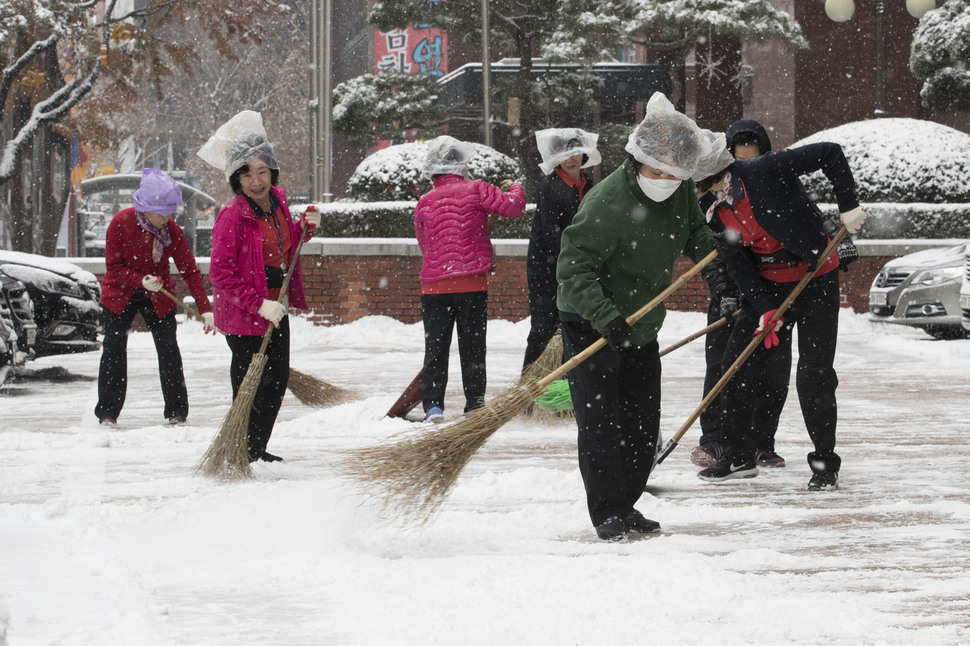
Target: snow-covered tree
394, 173
940, 56
54, 53
669, 30
387, 106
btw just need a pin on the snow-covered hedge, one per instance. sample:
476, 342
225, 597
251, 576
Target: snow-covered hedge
899, 160
393, 173
395, 220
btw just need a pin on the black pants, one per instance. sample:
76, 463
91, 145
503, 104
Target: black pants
816, 314
113, 373
543, 314
616, 399
440, 312
272, 385
714, 418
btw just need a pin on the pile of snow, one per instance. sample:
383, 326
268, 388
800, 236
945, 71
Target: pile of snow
899, 160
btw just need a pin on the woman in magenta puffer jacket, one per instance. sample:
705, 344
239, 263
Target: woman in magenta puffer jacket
254, 242
451, 224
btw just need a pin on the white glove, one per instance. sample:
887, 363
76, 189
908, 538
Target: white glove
151, 283
853, 219
208, 323
312, 217
272, 311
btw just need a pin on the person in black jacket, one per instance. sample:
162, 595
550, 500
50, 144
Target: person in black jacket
782, 236
565, 152
744, 139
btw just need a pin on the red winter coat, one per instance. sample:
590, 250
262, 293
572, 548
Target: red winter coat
451, 224
128, 259
236, 268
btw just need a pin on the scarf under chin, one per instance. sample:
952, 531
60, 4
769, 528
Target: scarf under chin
161, 235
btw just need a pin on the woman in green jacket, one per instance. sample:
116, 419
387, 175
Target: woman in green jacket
617, 255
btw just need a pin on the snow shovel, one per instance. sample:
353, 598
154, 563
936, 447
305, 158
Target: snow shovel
416, 471
311, 391
228, 455
749, 350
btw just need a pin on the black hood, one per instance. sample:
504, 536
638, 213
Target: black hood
748, 126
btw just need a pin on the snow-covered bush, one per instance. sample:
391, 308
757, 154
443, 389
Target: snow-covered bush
394, 172
899, 160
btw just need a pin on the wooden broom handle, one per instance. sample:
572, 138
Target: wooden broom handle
285, 286
633, 318
687, 339
752, 346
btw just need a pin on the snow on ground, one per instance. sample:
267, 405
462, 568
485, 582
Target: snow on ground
107, 537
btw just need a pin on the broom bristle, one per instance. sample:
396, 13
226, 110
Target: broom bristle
228, 456
415, 472
549, 360
317, 393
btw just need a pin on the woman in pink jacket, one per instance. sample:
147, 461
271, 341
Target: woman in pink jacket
451, 224
253, 243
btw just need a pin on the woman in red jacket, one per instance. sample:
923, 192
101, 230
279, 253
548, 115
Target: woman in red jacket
138, 245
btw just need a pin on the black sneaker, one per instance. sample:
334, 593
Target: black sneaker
770, 460
824, 480
635, 522
729, 468
612, 529
269, 457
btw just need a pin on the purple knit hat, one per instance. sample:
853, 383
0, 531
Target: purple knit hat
157, 193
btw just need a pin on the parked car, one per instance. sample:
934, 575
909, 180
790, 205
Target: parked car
65, 298
17, 311
965, 292
922, 289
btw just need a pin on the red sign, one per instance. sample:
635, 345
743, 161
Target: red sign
419, 49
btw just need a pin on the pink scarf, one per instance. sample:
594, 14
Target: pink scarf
161, 234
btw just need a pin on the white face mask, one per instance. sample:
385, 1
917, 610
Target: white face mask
657, 190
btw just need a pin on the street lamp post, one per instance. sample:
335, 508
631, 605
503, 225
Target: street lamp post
842, 10
486, 77
321, 104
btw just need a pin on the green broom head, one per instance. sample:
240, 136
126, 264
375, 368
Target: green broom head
556, 399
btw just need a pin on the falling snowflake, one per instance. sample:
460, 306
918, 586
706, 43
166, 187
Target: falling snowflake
744, 74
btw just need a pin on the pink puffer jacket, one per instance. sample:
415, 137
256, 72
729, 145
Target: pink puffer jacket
451, 224
236, 268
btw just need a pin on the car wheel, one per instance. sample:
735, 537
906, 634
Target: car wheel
946, 333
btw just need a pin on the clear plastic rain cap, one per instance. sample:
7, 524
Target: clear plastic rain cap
238, 142
716, 160
157, 193
556, 145
667, 140
447, 156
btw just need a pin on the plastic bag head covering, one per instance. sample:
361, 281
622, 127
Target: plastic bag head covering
556, 145
157, 193
716, 160
667, 140
237, 142
447, 156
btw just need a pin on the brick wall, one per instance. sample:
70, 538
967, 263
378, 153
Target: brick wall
346, 279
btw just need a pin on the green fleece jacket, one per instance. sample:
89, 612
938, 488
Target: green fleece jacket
620, 249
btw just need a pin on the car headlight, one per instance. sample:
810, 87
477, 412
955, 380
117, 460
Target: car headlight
938, 276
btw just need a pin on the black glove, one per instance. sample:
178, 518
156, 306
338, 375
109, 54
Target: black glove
717, 278
617, 333
728, 304
727, 243
846, 250
847, 253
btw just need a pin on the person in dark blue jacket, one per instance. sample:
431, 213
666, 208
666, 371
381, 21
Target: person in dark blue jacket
782, 236
565, 153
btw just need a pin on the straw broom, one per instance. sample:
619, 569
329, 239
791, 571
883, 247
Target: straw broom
416, 471
671, 444
309, 390
228, 455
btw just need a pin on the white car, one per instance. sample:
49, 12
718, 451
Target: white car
965, 292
